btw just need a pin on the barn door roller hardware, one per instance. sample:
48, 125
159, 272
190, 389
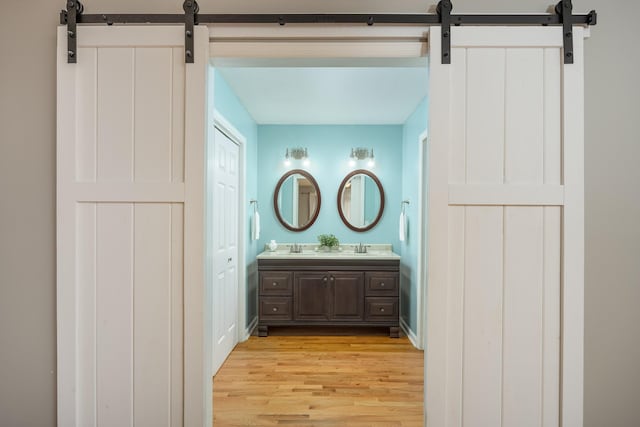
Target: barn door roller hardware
563, 17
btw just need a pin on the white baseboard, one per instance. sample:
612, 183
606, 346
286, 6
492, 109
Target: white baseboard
249, 330
410, 334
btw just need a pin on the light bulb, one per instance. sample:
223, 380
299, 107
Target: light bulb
287, 162
371, 163
306, 162
352, 163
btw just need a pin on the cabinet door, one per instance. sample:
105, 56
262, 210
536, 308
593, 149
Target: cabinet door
311, 296
347, 295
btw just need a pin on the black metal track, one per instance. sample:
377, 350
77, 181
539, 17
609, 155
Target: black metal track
417, 19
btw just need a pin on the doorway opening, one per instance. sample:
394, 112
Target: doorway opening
329, 107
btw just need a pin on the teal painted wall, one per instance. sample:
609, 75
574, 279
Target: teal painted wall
229, 106
329, 147
415, 125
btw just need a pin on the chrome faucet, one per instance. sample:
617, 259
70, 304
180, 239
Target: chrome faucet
360, 248
296, 248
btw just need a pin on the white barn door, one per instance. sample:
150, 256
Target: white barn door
505, 280
130, 177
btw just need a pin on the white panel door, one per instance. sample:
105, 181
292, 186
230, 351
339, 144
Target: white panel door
505, 216
130, 165
223, 169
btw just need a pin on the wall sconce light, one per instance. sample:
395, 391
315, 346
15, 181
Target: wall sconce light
297, 153
361, 154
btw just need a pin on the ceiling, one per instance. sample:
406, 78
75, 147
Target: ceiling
328, 95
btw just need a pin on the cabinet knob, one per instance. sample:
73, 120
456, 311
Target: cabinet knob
333, 278
382, 310
275, 308
275, 284
324, 279
382, 284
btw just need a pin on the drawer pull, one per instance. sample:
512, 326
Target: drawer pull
382, 310
275, 308
382, 284
275, 284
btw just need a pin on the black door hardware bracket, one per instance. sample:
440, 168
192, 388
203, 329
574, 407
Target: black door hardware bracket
74, 9
564, 9
190, 13
444, 13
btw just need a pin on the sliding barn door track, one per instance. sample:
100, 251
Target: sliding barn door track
562, 16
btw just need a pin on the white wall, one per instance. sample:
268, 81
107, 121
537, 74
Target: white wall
27, 198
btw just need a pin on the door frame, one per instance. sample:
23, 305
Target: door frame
423, 236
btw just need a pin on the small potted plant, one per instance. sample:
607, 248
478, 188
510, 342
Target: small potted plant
328, 241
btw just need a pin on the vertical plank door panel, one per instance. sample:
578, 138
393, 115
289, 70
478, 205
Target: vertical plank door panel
115, 118
482, 366
551, 316
524, 112
485, 116
152, 314
86, 115
552, 116
86, 276
114, 294
458, 144
177, 119
455, 311
153, 86
523, 321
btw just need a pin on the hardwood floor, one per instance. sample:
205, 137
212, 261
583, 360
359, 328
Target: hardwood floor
316, 380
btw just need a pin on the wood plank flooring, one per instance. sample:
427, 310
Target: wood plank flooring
319, 380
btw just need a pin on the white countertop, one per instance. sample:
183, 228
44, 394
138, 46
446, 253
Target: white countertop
347, 251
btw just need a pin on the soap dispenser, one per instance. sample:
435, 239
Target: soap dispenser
272, 245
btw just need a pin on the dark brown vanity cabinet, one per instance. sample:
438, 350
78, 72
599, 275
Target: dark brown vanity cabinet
326, 296
328, 292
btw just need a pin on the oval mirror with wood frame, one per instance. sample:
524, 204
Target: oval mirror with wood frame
360, 200
296, 200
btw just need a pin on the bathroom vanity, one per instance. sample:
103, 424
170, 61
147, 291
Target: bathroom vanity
329, 289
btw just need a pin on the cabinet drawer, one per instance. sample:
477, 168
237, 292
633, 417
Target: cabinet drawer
276, 283
275, 308
381, 284
377, 308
